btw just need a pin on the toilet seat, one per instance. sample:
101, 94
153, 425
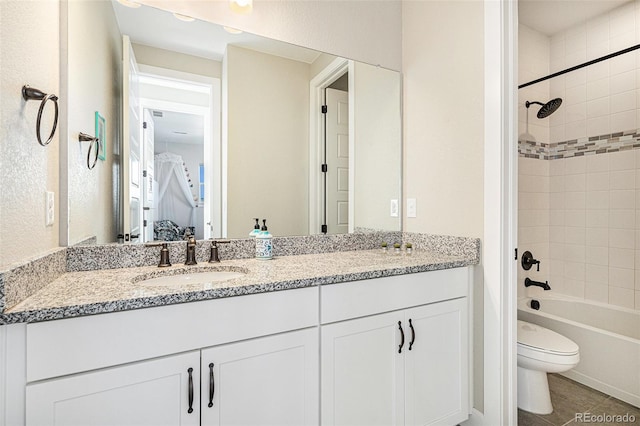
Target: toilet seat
545, 345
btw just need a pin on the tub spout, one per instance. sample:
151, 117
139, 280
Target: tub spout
544, 285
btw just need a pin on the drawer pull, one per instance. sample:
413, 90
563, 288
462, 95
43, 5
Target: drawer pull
212, 385
401, 337
413, 334
190, 371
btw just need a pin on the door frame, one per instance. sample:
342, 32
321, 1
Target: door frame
211, 117
322, 80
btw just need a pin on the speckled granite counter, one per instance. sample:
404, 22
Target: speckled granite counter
76, 294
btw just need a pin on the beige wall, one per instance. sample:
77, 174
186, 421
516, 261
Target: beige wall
267, 173
29, 54
162, 58
378, 147
365, 30
443, 116
94, 84
443, 125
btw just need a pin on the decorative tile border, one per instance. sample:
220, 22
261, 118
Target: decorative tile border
603, 144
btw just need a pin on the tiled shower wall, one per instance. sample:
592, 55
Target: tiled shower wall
579, 198
588, 208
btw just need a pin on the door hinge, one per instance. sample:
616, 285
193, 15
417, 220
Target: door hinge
144, 173
324, 229
324, 168
144, 124
144, 222
324, 109
516, 253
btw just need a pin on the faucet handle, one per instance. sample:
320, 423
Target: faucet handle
164, 253
528, 261
213, 256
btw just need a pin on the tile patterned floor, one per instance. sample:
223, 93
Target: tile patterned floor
569, 397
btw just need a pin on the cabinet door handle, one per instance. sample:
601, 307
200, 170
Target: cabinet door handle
401, 337
413, 334
190, 371
212, 385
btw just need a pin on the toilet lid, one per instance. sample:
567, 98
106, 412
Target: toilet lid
545, 340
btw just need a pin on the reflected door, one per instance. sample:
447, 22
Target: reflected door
337, 161
132, 150
148, 175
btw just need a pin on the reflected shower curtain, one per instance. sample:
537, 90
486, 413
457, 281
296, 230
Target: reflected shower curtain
175, 200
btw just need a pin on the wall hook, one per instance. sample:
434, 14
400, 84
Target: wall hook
32, 94
83, 137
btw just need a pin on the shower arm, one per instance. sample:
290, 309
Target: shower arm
528, 104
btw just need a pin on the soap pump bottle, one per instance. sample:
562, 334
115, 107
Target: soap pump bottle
256, 228
264, 247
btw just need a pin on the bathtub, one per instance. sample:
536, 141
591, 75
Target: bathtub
608, 337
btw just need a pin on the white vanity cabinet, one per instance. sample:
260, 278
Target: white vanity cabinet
405, 367
151, 393
268, 380
149, 367
265, 381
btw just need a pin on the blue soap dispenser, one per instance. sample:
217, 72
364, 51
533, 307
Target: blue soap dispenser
264, 247
256, 228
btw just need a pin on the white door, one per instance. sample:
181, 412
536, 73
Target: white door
266, 381
131, 147
362, 371
148, 176
337, 161
152, 393
437, 375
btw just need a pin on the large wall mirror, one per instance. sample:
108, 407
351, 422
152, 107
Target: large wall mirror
208, 128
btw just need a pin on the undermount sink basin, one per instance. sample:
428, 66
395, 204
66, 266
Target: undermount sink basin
179, 278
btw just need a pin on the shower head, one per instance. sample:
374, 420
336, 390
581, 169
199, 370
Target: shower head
548, 108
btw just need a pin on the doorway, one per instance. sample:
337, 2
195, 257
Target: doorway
331, 150
181, 159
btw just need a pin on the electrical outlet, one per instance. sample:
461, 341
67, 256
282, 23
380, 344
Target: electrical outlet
394, 208
411, 207
49, 209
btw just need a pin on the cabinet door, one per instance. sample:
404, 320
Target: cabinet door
150, 393
266, 381
436, 370
362, 371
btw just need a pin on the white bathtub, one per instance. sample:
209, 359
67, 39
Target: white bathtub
608, 337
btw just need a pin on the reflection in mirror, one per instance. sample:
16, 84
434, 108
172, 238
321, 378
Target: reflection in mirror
207, 130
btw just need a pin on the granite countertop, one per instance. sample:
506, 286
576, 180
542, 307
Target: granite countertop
110, 290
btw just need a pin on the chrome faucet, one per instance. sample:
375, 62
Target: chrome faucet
191, 251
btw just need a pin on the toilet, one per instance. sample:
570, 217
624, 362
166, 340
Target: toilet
541, 351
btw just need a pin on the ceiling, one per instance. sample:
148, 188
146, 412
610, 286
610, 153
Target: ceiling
158, 28
177, 127
552, 16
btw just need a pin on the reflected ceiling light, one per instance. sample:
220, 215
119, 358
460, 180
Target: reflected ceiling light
241, 6
184, 18
232, 30
129, 3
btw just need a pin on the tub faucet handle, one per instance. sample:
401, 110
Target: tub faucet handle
528, 261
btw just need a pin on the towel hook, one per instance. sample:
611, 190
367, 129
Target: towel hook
83, 137
29, 94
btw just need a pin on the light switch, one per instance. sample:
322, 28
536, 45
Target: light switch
394, 208
49, 209
411, 207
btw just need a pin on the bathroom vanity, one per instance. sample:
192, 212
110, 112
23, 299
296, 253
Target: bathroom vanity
374, 338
